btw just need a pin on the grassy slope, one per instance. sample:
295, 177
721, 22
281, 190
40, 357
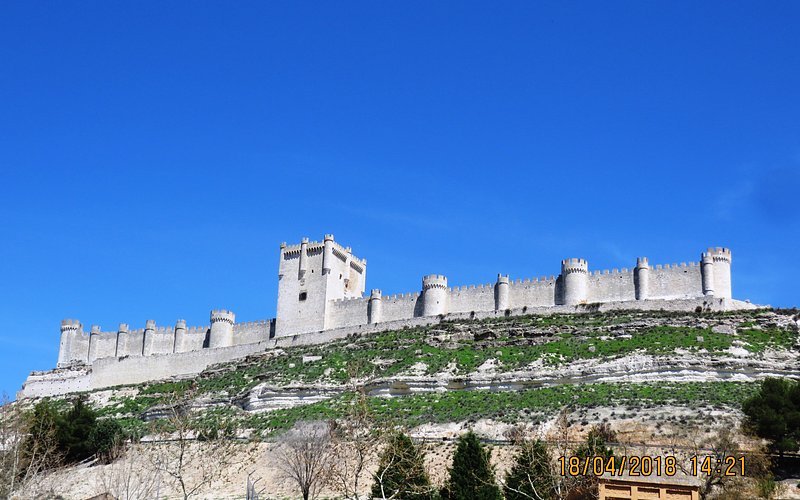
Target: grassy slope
513, 342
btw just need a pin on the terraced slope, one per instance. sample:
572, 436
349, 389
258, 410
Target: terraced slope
511, 369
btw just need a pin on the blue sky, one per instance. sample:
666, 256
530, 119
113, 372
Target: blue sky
154, 155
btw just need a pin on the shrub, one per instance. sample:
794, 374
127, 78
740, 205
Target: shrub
106, 440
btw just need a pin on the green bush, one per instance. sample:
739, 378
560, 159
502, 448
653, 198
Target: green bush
76, 433
106, 439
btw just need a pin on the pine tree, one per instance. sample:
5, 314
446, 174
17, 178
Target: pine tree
774, 414
530, 478
401, 473
75, 431
596, 440
472, 475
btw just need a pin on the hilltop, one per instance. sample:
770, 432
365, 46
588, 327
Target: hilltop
659, 379
508, 369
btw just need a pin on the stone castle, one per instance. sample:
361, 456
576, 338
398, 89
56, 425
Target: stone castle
321, 297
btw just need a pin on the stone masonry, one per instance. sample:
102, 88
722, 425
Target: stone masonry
321, 296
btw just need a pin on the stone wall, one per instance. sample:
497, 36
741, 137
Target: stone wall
472, 298
192, 339
611, 286
537, 292
252, 332
348, 312
676, 281
401, 306
102, 345
129, 370
130, 343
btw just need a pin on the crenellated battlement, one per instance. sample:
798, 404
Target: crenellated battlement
69, 325
222, 315
434, 281
720, 254
570, 266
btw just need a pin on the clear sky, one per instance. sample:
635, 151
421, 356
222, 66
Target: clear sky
155, 154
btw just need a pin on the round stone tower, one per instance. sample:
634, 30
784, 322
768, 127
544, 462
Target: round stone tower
707, 268
327, 254
435, 295
375, 310
722, 272
501, 301
221, 334
642, 278
575, 275
303, 258
123, 341
178, 345
149, 334
70, 328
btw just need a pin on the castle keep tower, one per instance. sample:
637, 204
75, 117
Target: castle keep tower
310, 275
575, 281
435, 295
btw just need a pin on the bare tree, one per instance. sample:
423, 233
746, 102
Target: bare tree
28, 448
560, 436
252, 489
190, 457
304, 456
131, 478
718, 447
354, 445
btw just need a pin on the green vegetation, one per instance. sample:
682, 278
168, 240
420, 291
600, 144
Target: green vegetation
771, 338
457, 406
401, 472
510, 406
472, 475
531, 475
774, 413
460, 347
75, 434
596, 440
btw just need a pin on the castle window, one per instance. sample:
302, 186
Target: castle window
303, 295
